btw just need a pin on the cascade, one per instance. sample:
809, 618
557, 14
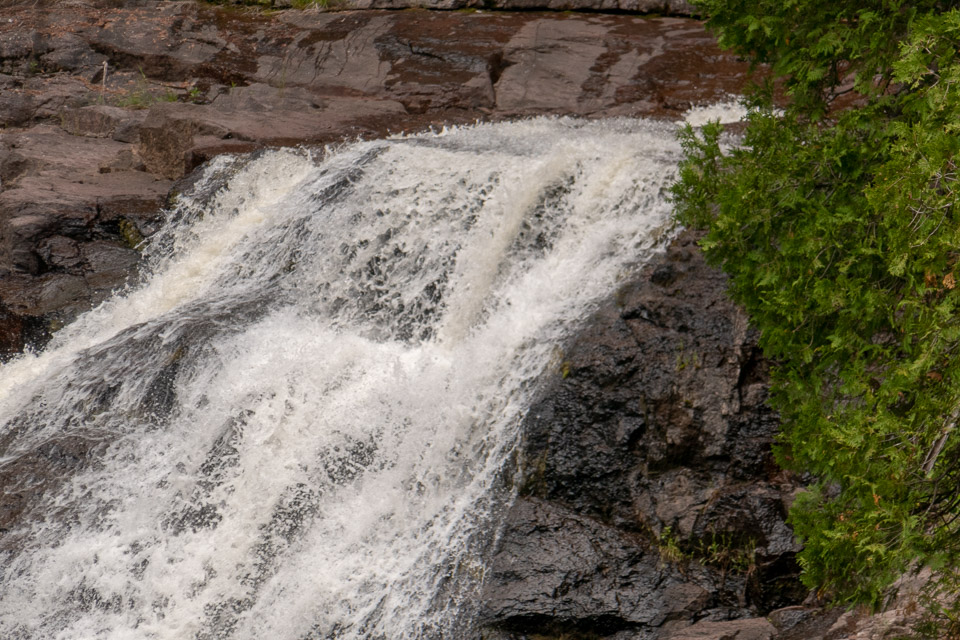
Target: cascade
301, 421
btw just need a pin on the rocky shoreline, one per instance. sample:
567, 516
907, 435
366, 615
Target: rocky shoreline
649, 505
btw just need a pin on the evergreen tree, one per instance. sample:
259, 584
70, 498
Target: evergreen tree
840, 231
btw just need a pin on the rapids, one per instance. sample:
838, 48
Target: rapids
302, 418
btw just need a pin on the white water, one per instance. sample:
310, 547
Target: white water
726, 112
305, 412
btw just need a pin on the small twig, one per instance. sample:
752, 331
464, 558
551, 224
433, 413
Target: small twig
103, 82
934, 453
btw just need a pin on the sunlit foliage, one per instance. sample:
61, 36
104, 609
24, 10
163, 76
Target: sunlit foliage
840, 230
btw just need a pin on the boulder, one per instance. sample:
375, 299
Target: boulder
72, 53
556, 571
167, 137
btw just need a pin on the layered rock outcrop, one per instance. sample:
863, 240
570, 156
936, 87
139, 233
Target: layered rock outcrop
664, 7
104, 106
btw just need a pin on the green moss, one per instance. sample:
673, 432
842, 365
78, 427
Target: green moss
533, 477
54, 323
130, 234
310, 4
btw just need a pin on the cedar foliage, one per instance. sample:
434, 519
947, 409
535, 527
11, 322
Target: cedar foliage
840, 231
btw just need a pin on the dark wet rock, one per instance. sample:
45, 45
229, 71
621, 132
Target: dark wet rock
558, 572
60, 252
11, 333
652, 437
650, 507
666, 376
107, 264
57, 292
51, 295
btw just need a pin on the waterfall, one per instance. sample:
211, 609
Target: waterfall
300, 422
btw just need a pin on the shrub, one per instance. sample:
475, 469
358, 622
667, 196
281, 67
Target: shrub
839, 231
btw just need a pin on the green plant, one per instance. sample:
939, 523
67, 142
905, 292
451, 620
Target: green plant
840, 231
668, 546
143, 95
130, 234
310, 4
144, 99
941, 618
686, 359
726, 553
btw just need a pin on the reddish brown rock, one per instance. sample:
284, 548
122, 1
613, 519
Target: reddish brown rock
749, 629
103, 104
102, 121
61, 203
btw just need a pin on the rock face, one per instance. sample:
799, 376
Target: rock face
649, 505
103, 106
649, 502
71, 209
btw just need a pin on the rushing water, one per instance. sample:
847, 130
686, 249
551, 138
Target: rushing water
298, 423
